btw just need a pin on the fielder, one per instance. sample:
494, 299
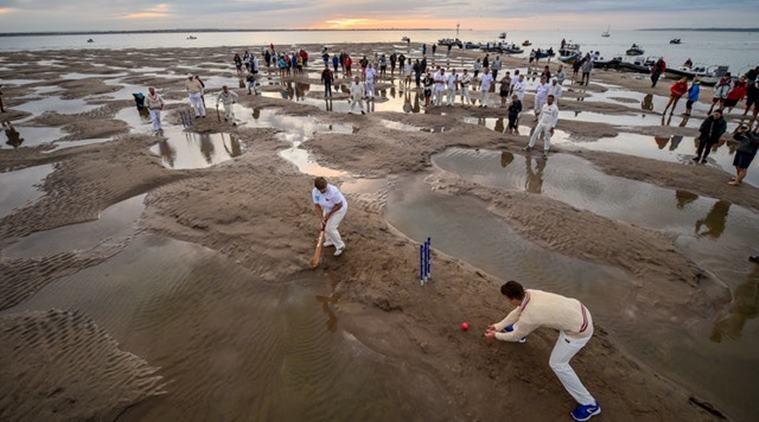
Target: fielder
548, 118
330, 206
370, 75
536, 308
452, 81
485, 82
465, 80
358, 92
195, 91
228, 98
154, 103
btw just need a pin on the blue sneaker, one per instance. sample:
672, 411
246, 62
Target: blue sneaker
585, 412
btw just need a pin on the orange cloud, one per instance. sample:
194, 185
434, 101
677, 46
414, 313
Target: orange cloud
380, 23
5, 10
158, 11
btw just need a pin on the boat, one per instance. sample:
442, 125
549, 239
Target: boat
526, 43
570, 53
511, 49
542, 54
608, 63
191, 37
606, 34
502, 36
90, 40
708, 75
639, 64
450, 42
406, 39
635, 50
472, 46
675, 41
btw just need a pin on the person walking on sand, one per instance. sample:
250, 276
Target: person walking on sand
227, 98
464, 82
556, 90
195, 91
513, 112
485, 82
693, 92
155, 104
723, 88
504, 88
710, 132
677, 90
749, 143
439, 86
520, 87
560, 76
428, 83
408, 70
330, 207
541, 96
451, 82
752, 98
587, 67
496, 67
537, 308
657, 70
736, 95
358, 92
549, 117
327, 78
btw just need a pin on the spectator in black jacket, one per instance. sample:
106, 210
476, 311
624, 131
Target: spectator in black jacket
711, 130
749, 143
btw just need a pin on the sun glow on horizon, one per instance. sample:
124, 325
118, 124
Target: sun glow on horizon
157, 11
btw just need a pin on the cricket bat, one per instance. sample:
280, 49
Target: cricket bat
318, 252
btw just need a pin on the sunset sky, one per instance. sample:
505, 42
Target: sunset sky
55, 15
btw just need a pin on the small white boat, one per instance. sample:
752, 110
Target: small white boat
708, 75
90, 40
606, 34
192, 37
502, 35
635, 50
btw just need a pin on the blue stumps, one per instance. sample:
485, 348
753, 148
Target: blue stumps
425, 262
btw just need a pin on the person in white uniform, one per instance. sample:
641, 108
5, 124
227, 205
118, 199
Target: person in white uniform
330, 206
519, 87
439, 88
370, 75
453, 80
195, 91
541, 94
536, 308
358, 92
549, 117
485, 82
227, 98
155, 104
556, 90
464, 81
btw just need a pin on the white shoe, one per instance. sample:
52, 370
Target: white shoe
339, 251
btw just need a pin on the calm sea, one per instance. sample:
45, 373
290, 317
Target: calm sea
739, 50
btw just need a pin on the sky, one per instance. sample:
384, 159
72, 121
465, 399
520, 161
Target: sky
507, 15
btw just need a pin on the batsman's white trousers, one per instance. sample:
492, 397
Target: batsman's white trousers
196, 100
545, 132
358, 101
539, 103
484, 98
562, 353
331, 235
370, 89
451, 96
229, 112
439, 92
465, 95
155, 117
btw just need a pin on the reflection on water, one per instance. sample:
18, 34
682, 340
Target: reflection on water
745, 306
190, 150
714, 222
28, 136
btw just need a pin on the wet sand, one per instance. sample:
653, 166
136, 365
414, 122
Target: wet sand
184, 258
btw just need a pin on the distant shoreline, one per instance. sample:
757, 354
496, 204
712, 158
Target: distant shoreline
703, 29
199, 31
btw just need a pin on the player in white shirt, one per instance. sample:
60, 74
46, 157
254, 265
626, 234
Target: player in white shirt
439, 88
541, 94
330, 206
549, 117
370, 75
227, 98
453, 80
555, 90
485, 82
464, 81
358, 92
519, 87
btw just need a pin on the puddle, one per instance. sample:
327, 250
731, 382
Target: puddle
18, 188
178, 306
363, 186
18, 82
388, 99
56, 104
28, 136
499, 125
717, 359
71, 144
190, 150
114, 220
78, 75
675, 148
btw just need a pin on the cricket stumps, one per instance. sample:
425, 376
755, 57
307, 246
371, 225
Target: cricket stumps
425, 262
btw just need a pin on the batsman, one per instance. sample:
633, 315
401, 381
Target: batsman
330, 206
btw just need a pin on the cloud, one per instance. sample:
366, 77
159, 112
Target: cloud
155, 12
5, 10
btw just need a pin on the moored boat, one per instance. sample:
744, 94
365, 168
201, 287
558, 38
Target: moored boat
635, 50
708, 75
675, 41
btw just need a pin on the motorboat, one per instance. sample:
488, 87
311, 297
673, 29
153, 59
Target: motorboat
608, 63
635, 50
708, 75
90, 40
639, 64
526, 43
675, 41
472, 46
406, 39
570, 53
606, 34
450, 42
542, 54
192, 37
502, 48
502, 36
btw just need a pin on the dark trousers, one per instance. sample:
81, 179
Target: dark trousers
704, 147
327, 89
495, 75
418, 79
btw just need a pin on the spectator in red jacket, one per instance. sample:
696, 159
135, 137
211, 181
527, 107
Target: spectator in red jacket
736, 95
677, 90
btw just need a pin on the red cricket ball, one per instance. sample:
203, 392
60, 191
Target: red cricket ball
464, 326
